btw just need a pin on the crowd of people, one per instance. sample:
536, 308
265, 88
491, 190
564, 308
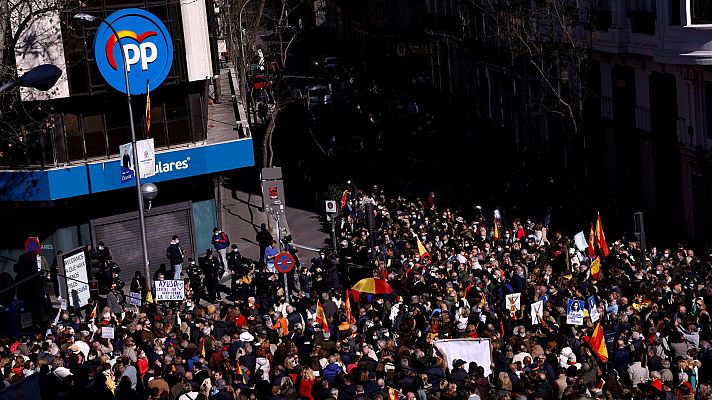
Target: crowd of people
263, 343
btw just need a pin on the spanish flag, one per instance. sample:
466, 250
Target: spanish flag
148, 110
202, 347
600, 238
393, 394
94, 312
496, 229
347, 305
422, 252
344, 198
596, 268
239, 370
321, 317
598, 343
591, 240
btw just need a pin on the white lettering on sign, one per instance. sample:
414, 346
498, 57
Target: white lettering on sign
173, 165
146, 53
75, 270
169, 290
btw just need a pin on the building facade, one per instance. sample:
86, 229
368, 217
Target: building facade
64, 186
645, 141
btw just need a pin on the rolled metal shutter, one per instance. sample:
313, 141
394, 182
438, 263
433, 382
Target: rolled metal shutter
121, 233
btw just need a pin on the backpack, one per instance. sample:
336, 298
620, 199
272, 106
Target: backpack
227, 239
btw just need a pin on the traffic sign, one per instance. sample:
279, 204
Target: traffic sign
32, 245
284, 262
330, 206
147, 49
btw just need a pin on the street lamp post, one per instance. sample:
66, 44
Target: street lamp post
243, 86
139, 194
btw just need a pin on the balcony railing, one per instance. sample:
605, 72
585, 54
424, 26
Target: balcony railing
642, 118
643, 22
685, 133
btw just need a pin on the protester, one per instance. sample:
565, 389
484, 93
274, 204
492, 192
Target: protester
545, 308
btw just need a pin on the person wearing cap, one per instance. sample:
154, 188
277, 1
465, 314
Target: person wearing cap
458, 373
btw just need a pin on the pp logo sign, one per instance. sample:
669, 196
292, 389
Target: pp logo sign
143, 43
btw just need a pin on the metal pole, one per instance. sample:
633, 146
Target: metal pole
141, 216
275, 214
333, 233
243, 71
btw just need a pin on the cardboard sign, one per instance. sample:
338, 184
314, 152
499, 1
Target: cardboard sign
63, 304
134, 299
77, 278
537, 312
169, 290
593, 309
107, 332
574, 312
514, 302
25, 320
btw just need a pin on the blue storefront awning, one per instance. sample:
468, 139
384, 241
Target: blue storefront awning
61, 183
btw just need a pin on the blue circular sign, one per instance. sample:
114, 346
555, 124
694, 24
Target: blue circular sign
146, 45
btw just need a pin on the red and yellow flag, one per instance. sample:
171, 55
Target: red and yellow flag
94, 312
591, 239
347, 305
393, 394
202, 347
422, 251
600, 238
239, 370
496, 229
598, 343
148, 111
149, 297
596, 268
344, 198
321, 317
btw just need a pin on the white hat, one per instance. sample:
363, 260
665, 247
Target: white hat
246, 337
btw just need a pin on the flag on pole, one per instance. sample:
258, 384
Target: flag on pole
422, 252
496, 230
202, 347
148, 110
94, 312
600, 238
239, 370
344, 198
591, 239
596, 268
347, 304
598, 343
321, 317
393, 394
149, 297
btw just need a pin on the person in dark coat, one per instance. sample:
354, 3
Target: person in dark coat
458, 373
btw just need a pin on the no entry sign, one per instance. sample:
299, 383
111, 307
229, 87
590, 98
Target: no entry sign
283, 262
32, 244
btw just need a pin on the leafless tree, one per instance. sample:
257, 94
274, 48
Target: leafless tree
548, 43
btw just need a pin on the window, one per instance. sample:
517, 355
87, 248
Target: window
94, 138
701, 11
178, 121
642, 16
75, 144
674, 12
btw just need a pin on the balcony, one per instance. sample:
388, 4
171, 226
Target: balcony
642, 22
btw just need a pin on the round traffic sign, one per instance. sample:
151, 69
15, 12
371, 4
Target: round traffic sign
32, 245
283, 262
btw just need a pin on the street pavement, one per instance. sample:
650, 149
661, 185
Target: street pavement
242, 215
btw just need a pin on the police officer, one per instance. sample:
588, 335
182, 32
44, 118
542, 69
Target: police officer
193, 271
212, 271
234, 264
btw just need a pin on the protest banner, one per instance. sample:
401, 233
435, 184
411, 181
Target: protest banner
75, 274
514, 302
537, 312
468, 350
107, 332
574, 312
134, 299
169, 290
